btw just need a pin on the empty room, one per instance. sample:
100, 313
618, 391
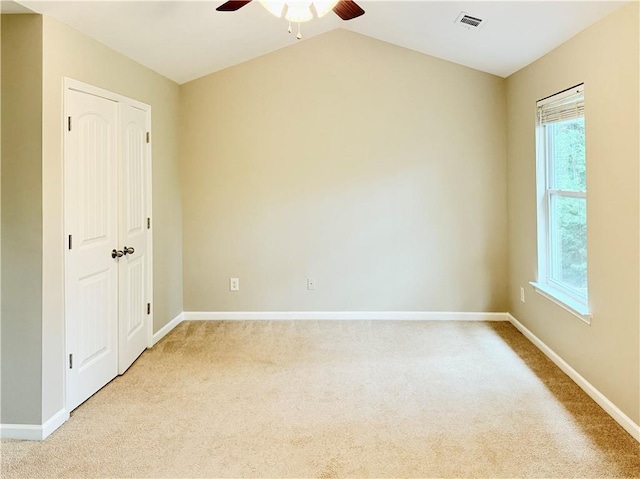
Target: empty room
320, 239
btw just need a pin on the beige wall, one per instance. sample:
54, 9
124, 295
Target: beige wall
605, 57
21, 218
68, 53
0, 217
38, 53
376, 170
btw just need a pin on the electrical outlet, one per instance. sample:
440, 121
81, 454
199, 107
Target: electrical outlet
521, 294
234, 284
311, 284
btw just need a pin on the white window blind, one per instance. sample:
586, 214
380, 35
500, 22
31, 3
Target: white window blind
563, 106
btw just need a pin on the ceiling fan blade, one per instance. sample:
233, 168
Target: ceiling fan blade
348, 9
232, 5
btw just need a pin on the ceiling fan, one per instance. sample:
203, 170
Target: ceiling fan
299, 11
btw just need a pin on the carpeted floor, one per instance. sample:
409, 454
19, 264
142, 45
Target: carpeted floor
335, 399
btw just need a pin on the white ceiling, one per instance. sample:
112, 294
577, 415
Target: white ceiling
184, 40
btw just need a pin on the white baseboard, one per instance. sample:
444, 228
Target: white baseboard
57, 420
34, 432
611, 409
341, 315
167, 328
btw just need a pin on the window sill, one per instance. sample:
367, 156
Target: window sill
566, 302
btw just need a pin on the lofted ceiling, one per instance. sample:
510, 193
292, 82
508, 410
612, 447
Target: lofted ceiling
184, 40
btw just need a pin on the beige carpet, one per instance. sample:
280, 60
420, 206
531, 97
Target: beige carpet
335, 399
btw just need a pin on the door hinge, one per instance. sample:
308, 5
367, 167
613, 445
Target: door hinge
69, 123
148, 223
70, 242
147, 137
71, 361
148, 308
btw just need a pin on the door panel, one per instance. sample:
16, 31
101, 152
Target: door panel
91, 220
133, 234
93, 336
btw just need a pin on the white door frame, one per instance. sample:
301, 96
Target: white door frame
70, 84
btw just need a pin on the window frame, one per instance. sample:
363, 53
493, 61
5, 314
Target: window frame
545, 284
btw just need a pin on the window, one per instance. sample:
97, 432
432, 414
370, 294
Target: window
562, 201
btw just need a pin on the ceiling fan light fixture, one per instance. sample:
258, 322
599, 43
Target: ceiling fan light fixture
275, 7
299, 12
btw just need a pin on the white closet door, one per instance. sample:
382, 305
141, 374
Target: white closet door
91, 223
133, 235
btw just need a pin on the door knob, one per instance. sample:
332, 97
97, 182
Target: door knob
128, 250
116, 254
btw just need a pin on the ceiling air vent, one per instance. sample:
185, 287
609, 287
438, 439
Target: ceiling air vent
469, 22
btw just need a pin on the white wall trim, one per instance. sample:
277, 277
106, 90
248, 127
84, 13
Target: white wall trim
34, 432
604, 402
73, 84
166, 329
57, 420
27, 432
341, 315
